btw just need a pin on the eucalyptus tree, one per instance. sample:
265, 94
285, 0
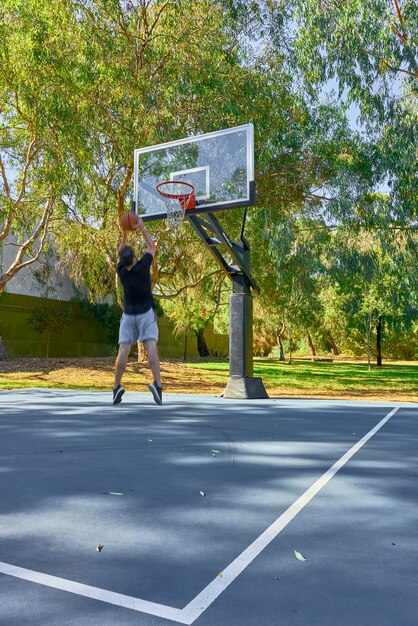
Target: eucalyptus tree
364, 44
83, 83
314, 173
369, 49
375, 274
191, 287
36, 122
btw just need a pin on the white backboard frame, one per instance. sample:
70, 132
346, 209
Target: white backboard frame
151, 207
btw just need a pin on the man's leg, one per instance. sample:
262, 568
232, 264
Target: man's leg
154, 364
120, 366
153, 359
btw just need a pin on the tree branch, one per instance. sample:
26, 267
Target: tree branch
401, 21
42, 230
123, 188
163, 296
4, 177
30, 155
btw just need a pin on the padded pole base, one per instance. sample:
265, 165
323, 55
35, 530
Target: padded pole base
245, 387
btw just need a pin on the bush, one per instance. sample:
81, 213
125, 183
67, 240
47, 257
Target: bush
108, 314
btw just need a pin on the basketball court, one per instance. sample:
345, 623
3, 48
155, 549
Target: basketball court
201, 510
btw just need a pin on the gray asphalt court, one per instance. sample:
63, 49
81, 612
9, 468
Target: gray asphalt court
206, 511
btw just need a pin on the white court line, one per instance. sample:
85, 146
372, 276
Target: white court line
234, 569
204, 599
87, 591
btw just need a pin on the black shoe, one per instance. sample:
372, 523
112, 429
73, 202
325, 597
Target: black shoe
117, 394
157, 392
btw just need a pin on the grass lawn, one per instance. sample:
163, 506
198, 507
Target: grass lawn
396, 381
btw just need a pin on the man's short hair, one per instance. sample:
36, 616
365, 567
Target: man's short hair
126, 255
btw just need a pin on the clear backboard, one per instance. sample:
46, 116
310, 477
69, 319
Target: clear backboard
220, 166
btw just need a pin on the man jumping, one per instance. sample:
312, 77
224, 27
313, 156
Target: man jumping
139, 321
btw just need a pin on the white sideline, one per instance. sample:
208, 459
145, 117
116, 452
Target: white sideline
204, 599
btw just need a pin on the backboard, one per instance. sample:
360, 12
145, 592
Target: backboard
220, 166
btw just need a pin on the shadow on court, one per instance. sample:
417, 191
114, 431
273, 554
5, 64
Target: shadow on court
76, 472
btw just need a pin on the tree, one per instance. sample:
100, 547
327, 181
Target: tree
369, 48
39, 119
364, 44
46, 318
374, 271
192, 290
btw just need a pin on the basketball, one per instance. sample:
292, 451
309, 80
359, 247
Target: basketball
128, 221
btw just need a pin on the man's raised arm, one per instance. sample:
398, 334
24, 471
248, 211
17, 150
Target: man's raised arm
148, 239
123, 242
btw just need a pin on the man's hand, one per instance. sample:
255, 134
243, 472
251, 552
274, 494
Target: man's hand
139, 223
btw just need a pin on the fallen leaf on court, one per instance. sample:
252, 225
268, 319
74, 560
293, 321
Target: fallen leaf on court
202, 493
113, 493
99, 547
299, 556
220, 574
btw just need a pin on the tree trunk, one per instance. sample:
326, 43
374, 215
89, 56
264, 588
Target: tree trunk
281, 347
333, 345
185, 345
142, 353
279, 337
369, 332
379, 342
3, 352
202, 347
311, 347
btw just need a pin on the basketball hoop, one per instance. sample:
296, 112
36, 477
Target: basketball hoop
178, 197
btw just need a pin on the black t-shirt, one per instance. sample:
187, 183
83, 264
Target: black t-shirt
137, 286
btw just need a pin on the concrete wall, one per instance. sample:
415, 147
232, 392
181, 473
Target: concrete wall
25, 282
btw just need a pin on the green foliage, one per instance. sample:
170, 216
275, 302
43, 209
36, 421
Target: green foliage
107, 314
49, 319
264, 338
365, 44
196, 291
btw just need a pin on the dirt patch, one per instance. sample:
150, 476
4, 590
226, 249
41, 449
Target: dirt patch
98, 373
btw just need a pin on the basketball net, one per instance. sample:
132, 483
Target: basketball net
178, 196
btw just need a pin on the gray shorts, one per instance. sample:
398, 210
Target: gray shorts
134, 327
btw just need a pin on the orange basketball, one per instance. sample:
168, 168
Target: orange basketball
128, 221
